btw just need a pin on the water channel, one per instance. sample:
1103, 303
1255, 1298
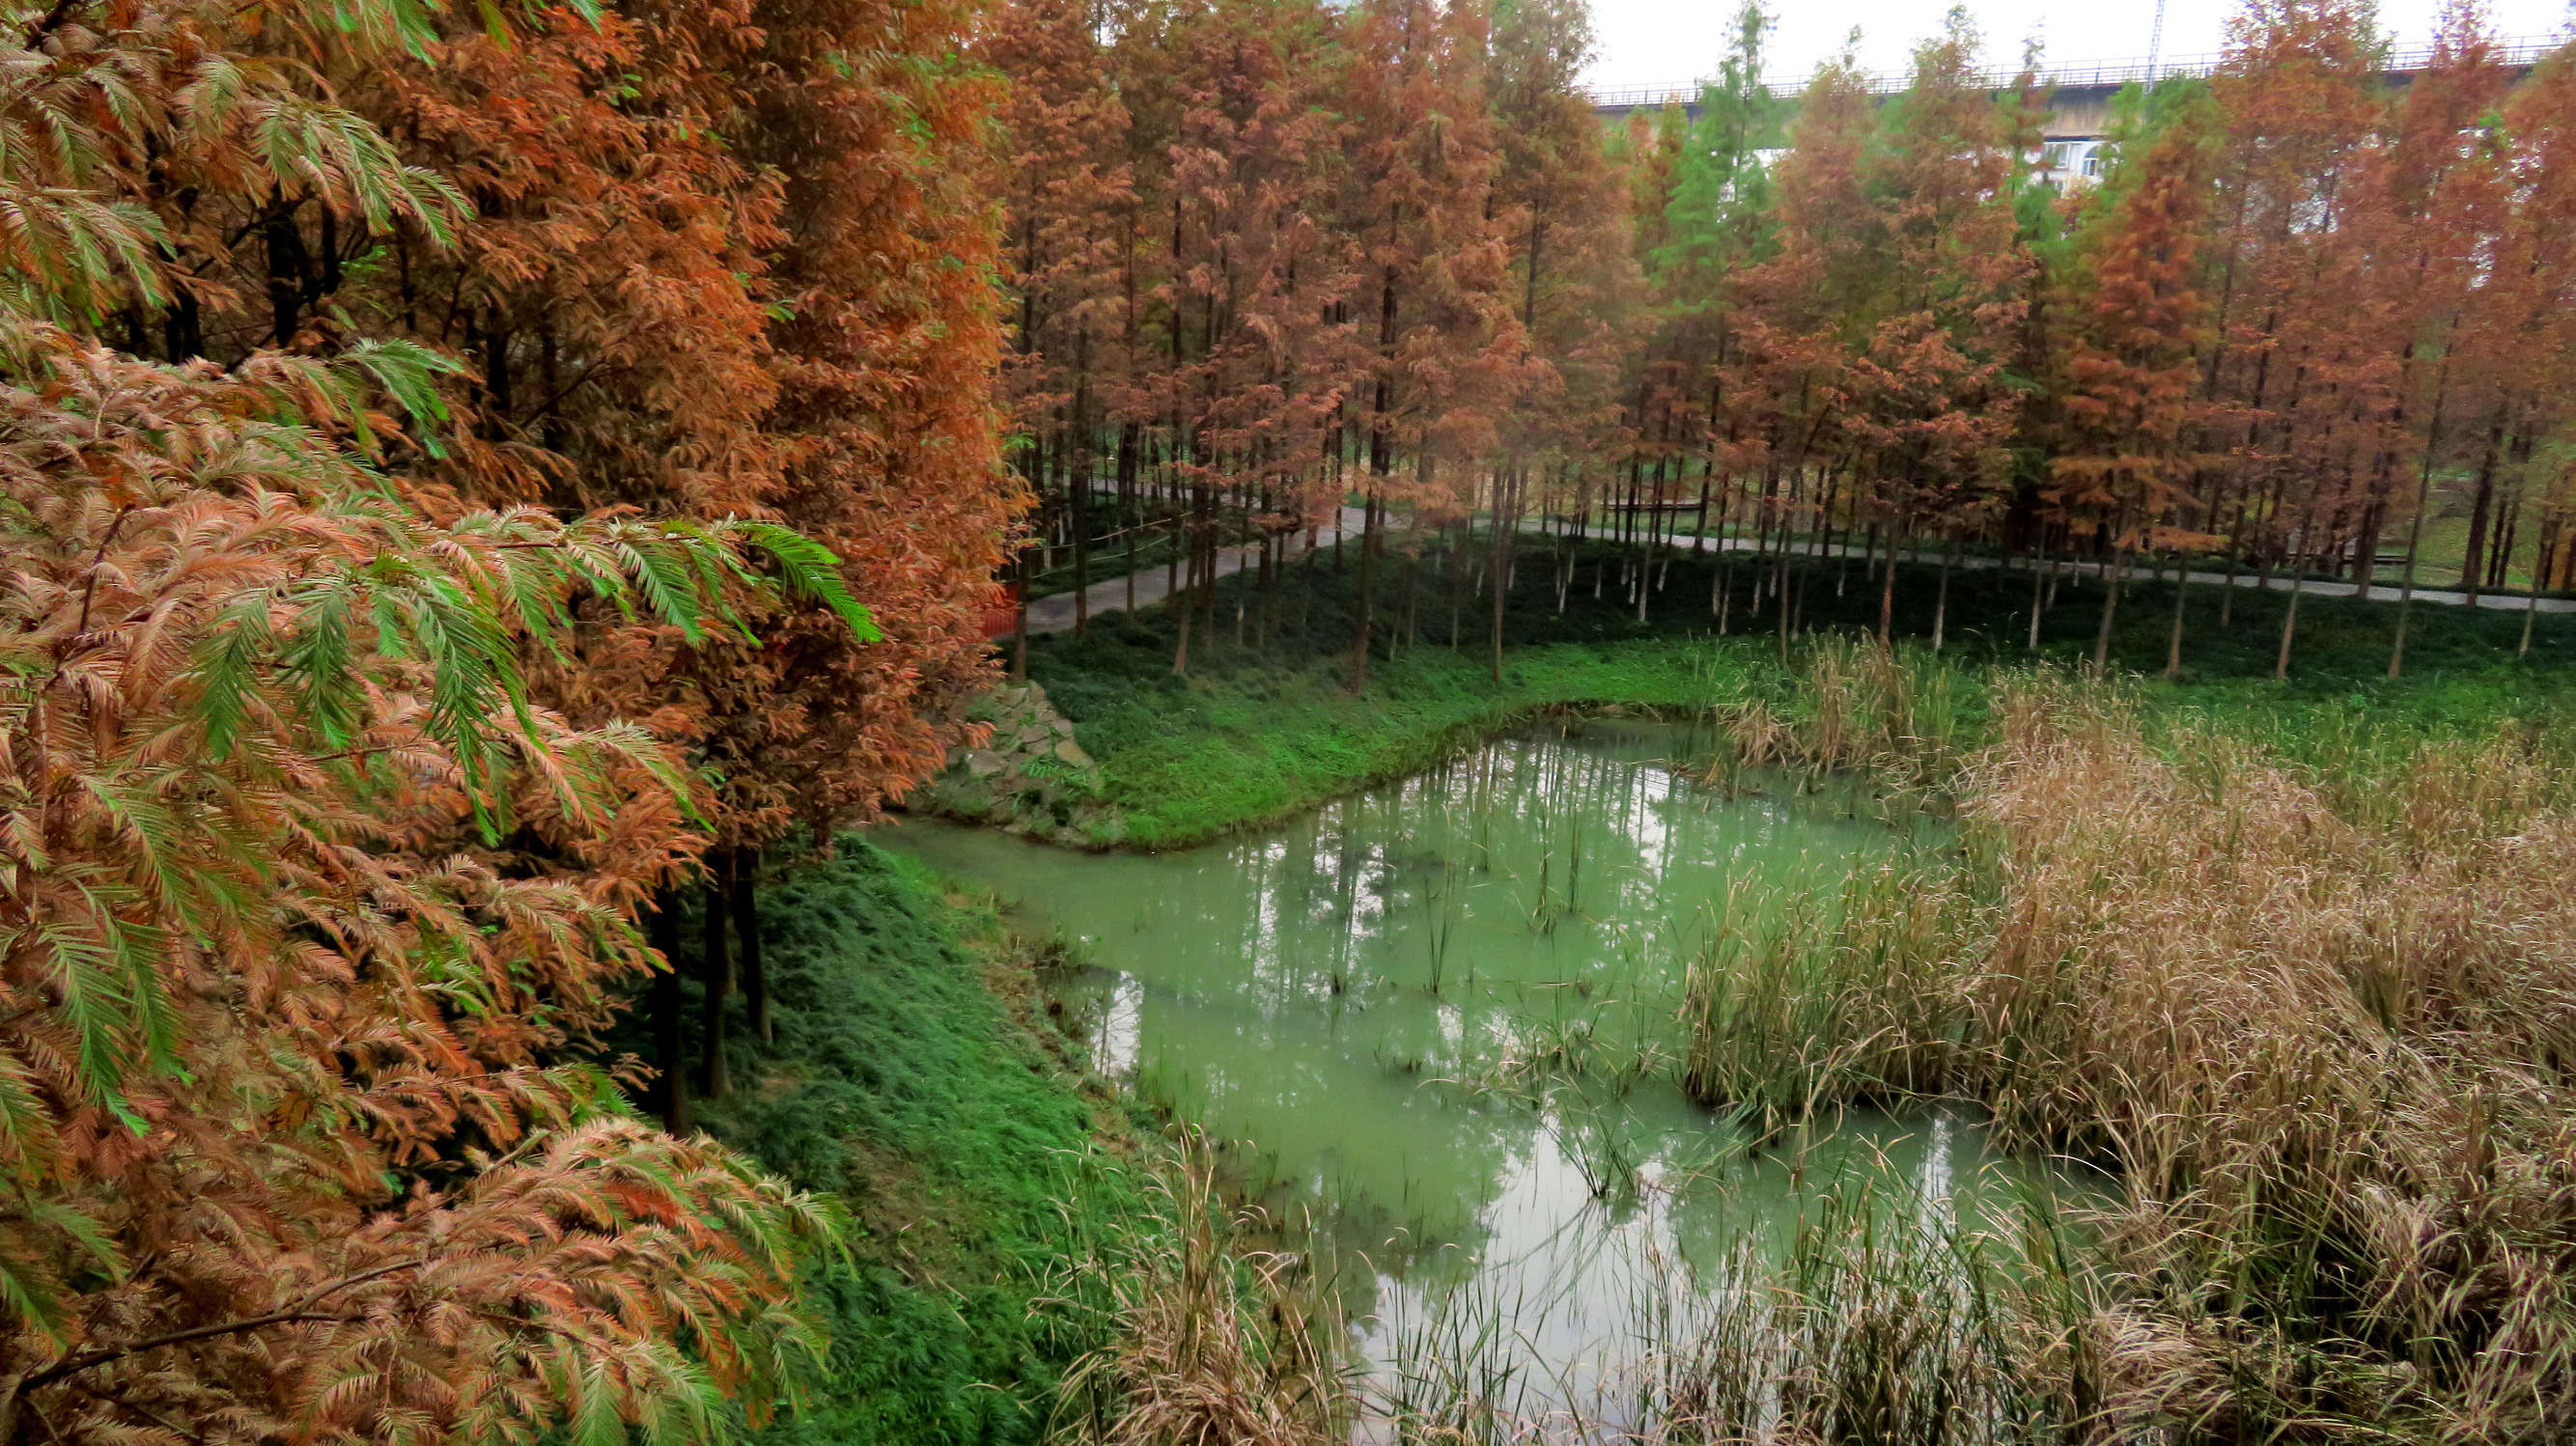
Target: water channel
1375, 1004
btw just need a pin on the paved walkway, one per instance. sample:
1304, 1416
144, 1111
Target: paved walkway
2313, 587
1055, 614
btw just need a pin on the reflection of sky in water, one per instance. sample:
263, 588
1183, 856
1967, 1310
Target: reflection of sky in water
1325, 994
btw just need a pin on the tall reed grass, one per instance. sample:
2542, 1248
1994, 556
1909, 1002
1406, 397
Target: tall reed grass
1903, 717
2317, 1014
1875, 1316
1800, 1001
2312, 1007
1213, 1341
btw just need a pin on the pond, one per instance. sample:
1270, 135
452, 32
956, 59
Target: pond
1436, 1023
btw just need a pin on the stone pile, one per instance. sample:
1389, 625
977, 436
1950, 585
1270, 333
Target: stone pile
1029, 775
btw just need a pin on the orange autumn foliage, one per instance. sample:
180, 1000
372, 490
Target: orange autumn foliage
402, 406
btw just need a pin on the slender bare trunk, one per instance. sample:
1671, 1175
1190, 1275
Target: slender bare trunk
670, 1028
2173, 634
2110, 610
1502, 541
1370, 543
715, 972
2039, 575
1887, 589
742, 869
2290, 623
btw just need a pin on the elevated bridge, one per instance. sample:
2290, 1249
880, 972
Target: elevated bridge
2079, 94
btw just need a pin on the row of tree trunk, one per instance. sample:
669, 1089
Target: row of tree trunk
728, 960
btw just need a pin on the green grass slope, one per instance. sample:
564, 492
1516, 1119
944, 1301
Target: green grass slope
903, 1077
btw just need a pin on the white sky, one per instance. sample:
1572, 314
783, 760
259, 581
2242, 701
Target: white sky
1661, 42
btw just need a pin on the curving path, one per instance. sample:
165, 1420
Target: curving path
1055, 614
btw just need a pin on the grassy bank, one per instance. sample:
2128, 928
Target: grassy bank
1185, 760
910, 1074
1261, 727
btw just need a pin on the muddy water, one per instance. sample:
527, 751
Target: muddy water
1436, 1020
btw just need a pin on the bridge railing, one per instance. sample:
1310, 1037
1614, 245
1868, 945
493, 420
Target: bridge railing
2519, 51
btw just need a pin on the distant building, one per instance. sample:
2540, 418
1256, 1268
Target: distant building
2071, 162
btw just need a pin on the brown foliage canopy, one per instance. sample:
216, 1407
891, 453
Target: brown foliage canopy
402, 407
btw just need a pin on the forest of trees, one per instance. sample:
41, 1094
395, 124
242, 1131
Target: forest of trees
1267, 258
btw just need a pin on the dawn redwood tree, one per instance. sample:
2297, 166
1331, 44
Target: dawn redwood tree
1934, 410
599, 297
332, 798
1719, 219
882, 338
602, 298
1432, 291
704, 292
284, 1099
2435, 204
2134, 318
1720, 225
1066, 164
1573, 285
1240, 354
2300, 379
2511, 347
2540, 246
1810, 309
714, 268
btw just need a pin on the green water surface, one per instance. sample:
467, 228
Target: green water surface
1436, 1023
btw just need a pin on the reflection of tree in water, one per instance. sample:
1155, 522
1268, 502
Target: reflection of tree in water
1408, 928
1364, 993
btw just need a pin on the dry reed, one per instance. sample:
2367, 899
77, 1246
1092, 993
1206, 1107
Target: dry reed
1212, 1342
2317, 1016
2319, 1026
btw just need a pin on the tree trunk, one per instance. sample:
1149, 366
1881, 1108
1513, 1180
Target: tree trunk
1020, 620
2539, 574
2173, 634
1129, 513
745, 866
715, 972
1502, 543
1182, 601
1367, 608
2473, 559
1078, 487
1453, 578
1400, 637
2110, 610
2290, 621
1269, 584
1210, 544
1941, 604
2415, 525
2227, 587
1887, 589
2039, 575
1717, 575
670, 1028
